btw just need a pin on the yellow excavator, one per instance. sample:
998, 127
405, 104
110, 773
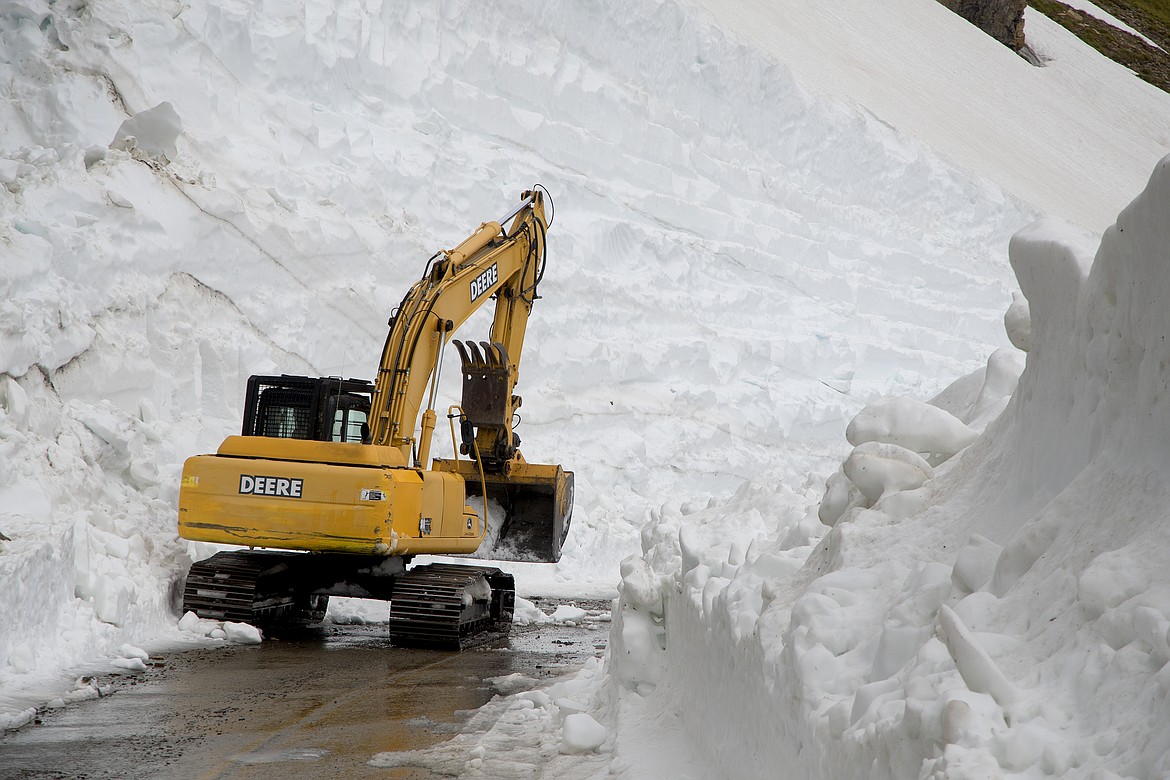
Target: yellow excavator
331, 486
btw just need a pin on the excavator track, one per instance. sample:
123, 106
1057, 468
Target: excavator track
451, 606
448, 606
260, 588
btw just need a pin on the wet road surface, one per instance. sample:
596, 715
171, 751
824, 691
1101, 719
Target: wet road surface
318, 703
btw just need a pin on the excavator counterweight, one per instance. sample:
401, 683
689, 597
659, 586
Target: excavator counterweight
332, 478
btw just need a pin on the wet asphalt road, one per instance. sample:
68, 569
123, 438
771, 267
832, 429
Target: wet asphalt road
318, 703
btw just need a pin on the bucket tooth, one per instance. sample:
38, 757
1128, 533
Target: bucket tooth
495, 355
478, 362
464, 358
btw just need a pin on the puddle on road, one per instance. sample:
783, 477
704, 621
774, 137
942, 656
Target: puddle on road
436, 727
273, 757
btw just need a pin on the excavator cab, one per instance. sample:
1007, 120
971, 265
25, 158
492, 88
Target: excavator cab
310, 408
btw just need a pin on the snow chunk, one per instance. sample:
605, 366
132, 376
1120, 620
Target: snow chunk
192, 623
130, 651
637, 648
582, 734
1108, 581
526, 613
14, 402
509, 684
11, 170
1000, 378
897, 645
243, 633
568, 614
880, 469
213, 629
975, 666
975, 564
113, 596
12, 720
640, 586
1018, 323
538, 698
841, 495
350, 611
129, 664
153, 131
913, 424
477, 591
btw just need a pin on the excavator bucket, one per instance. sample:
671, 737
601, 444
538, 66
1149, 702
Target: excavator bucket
537, 503
536, 500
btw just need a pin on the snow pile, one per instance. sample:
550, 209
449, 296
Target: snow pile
89, 519
580, 733
1006, 616
240, 633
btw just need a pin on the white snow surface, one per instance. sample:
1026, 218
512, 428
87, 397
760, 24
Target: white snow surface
1042, 134
770, 217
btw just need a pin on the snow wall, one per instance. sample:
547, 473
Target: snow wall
1008, 618
192, 194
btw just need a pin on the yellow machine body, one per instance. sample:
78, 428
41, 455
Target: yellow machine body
323, 497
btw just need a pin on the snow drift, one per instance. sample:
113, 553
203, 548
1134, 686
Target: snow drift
1007, 618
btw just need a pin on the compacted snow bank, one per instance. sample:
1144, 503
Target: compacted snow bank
1003, 614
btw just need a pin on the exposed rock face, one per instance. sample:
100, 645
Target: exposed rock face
1001, 19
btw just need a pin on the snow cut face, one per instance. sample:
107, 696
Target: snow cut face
1005, 616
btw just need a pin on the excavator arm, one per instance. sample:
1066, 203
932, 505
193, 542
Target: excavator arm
491, 264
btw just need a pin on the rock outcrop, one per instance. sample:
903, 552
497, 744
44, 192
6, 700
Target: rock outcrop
1001, 19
